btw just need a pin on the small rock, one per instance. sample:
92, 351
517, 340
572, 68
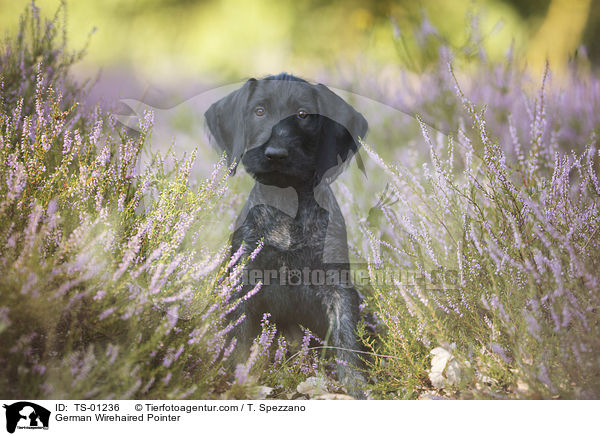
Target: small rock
261, 392
445, 369
329, 396
312, 386
522, 387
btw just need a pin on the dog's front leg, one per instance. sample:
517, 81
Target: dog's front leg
342, 314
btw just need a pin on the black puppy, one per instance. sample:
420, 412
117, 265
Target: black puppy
294, 138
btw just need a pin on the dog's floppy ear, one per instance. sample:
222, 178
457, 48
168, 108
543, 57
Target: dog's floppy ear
342, 125
334, 107
225, 119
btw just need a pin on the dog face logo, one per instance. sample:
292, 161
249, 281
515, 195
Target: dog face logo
26, 415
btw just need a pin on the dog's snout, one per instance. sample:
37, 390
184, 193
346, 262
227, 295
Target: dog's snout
276, 153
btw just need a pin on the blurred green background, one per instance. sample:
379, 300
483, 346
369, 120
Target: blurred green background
166, 41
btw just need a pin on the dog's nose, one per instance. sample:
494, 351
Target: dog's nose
275, 153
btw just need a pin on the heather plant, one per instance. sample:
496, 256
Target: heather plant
506, 252
107, 291
88, 270
279, 364
109, 288
422, 84
493, 224
38, 42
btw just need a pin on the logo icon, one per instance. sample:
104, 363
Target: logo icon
26, 415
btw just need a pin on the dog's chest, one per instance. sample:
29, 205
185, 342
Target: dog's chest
295, 240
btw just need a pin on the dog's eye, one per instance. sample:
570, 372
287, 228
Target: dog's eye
302, 113
259, 111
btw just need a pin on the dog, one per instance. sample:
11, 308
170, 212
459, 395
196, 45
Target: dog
294, 138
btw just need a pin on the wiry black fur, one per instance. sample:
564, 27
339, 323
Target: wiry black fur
293, 159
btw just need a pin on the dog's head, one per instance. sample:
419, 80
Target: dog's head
286, 131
